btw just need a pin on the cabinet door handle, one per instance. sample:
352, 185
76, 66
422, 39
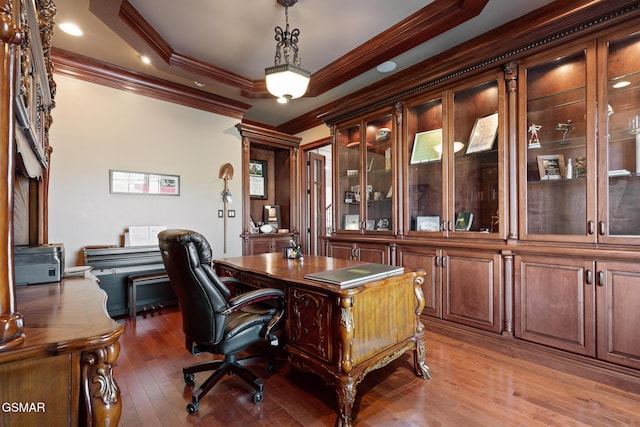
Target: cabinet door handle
356, 253
450, 225
591, 227
437, 260
589, 277
601, 228
444, 262
600, 278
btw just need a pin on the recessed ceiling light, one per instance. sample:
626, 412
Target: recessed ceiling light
71, 29
621, 84
145, 59
199, 84
386, 67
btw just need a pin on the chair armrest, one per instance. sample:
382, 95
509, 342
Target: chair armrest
260, 295
252, 297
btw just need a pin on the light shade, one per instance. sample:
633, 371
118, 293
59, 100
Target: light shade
287, 81
457, 146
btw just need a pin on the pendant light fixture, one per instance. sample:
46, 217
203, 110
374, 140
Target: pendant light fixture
286, 80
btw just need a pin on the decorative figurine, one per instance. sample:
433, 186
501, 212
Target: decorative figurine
534, 141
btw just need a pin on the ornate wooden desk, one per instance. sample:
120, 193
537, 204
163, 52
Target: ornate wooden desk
340, 334
61, 374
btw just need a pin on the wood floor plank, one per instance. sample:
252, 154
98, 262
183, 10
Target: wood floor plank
471, 386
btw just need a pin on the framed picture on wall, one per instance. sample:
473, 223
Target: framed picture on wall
130, 182
257, 179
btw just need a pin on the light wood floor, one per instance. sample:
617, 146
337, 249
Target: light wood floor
471, 386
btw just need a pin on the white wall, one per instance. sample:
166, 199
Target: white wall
96, 128
314, 134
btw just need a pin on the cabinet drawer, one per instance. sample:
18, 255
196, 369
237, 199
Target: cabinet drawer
309, 318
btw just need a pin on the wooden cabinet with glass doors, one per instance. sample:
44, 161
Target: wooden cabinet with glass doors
581, 124
582, 107
619, 139
364, 156
454, 164
454, 170
558, 127
546, 176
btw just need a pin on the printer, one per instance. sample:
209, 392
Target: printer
38, 263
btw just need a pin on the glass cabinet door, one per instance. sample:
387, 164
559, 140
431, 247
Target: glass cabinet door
424, 172
476, 169
364, 170
559, 120
620, 141
348, 167
379, 176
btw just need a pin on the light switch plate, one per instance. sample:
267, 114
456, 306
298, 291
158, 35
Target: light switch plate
220, 213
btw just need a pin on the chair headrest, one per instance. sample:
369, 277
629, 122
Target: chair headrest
187, 237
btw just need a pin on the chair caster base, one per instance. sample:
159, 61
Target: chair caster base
192, 407
189, 379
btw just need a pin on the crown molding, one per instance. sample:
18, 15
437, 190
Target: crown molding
93, 71
430, 21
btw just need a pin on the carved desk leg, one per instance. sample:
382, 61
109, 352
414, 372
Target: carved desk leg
101, 395
419, 359
345, 385
346, 391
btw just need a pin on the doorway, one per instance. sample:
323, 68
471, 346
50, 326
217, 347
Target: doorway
317, 218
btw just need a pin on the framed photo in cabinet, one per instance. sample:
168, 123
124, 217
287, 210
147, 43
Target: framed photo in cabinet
257, 179
550, 166
428, 223
352, 222
427, 146
383, 224
483, 134
464, 221
271, 215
